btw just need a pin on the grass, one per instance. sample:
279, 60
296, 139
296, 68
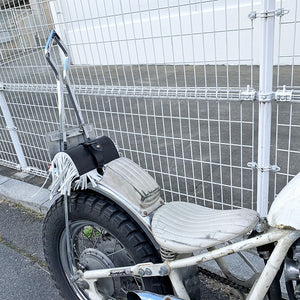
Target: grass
29, 211
32, 258
24, 209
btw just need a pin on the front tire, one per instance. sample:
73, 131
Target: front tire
102, 236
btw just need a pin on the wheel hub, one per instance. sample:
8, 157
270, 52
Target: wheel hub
94, 259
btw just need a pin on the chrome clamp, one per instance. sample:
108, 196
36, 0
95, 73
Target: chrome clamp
254, 165
267, 14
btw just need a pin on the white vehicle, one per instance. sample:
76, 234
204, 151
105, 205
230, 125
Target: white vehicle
110, 235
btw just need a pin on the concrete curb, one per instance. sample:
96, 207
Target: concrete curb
24, 193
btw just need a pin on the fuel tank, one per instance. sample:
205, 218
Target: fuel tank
285, 210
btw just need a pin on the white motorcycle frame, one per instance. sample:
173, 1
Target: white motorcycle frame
284, 238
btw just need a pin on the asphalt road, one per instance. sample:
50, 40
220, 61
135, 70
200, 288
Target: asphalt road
24, 275
23, 279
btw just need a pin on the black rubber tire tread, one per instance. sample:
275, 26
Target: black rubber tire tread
89, 205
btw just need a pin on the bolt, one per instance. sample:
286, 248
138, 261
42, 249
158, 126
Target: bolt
141, 272
279, 12
82, 266
163, 271
252, 15
148, 271
275, 168
259, 228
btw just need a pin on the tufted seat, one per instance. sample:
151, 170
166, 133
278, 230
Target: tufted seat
185, 227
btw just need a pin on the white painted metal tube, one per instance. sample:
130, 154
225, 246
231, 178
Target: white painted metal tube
269, 237
262, 285
141, 270
178, 286
265, 106
12, 131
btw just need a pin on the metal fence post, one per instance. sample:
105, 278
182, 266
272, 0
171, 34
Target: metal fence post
12, 131
265, 106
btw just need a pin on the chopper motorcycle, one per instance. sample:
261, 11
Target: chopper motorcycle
110, 235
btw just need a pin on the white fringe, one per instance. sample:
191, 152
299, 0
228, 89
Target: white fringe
64, 173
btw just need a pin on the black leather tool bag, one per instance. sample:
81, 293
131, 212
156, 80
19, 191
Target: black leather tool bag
93, 154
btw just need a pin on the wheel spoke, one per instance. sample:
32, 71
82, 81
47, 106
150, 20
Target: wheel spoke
137, 280
97, 238
87, 235
115, 252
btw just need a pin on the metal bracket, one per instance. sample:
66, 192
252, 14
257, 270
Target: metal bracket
249, 94
254, 165
267, 14
296, 253
266, 97
19, 168
11, 128
283, 95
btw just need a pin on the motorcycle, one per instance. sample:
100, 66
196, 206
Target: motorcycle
110, 235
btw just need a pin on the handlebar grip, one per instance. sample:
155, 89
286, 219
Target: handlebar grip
49, 42
53, 36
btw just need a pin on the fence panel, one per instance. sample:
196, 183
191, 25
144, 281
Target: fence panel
172, 82
286, 110
8, 155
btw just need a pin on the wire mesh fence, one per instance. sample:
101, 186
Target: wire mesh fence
286, 147
286, 143
173, 82
8, 156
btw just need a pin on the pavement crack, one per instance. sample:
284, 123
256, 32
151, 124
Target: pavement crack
34, 260
4, 181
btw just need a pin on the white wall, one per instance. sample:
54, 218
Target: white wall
192, 35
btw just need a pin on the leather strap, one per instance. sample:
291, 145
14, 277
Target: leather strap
96, 151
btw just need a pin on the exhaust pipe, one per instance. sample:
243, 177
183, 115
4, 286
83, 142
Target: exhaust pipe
144, 295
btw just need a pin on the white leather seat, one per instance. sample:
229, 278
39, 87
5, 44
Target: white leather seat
185, 227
